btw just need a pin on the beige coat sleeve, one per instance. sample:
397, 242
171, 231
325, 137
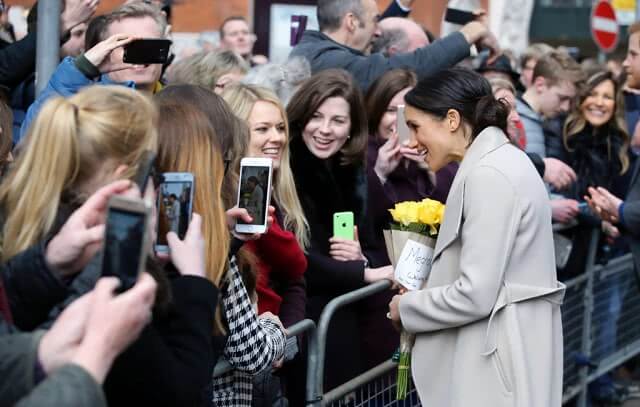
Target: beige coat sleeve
491, 216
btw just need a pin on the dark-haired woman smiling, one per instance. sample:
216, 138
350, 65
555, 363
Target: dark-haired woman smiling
488, 319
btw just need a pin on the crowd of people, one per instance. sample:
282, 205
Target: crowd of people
559, 135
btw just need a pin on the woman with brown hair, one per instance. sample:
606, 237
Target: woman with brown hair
329, 136
188, 143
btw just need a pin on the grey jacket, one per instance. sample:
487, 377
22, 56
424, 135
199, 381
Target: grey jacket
69, 386
532, 122
324, 53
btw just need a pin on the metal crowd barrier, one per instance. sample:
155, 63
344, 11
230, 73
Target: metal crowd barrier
601, 326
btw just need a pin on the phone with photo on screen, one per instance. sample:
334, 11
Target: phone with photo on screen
254, 193
175, 206
401, 126
127, 240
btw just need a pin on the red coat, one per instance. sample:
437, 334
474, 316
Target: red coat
280, 259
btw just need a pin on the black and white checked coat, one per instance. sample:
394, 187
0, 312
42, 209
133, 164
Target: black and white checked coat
253, 344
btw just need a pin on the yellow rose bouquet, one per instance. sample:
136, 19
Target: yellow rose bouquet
410, 242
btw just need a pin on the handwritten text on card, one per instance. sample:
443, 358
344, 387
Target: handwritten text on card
414, 265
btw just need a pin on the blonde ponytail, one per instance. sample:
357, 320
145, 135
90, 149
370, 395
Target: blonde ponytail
72, 143
30, 196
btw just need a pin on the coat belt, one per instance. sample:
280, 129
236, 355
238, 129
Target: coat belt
512, 293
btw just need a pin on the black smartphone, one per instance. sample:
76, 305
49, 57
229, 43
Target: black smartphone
147, 51
461, 17
175, 207
127, 240
144, 170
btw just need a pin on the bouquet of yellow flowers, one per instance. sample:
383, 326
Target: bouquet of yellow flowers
410, 243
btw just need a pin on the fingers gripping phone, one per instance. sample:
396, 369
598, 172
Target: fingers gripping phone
254, 193
127, 240
175, 207
343, 225
401, 126
147, 51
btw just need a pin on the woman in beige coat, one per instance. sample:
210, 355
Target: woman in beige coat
487, 322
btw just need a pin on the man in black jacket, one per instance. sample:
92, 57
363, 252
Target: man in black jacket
347, 28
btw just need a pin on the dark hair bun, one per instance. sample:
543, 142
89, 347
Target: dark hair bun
462, 90
490, 112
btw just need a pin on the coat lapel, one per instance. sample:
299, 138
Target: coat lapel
487, 141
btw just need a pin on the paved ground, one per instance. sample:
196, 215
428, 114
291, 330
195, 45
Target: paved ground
632, 403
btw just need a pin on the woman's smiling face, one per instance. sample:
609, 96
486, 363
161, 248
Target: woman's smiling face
328, 129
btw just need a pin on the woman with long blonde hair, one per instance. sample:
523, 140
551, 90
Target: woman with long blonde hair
280, 252
75, 146
189, 143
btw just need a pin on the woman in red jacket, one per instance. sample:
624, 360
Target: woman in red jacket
279, 253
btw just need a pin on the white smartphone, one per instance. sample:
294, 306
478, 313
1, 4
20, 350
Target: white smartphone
175, 206
254, 193
401, 126
127, 240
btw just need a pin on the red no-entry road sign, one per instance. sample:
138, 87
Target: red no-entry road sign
604, 26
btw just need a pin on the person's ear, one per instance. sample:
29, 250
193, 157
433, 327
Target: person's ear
453, 120
540, 84
351, 22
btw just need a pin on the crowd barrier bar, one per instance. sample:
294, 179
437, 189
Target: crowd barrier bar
317, 350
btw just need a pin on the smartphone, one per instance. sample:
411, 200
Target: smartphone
460, 17
147, 51
254, 193
401, 126
126, 241
175, 206
343, 225
144, 170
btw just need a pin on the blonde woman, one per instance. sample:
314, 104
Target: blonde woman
280, 252
213, 70
74, 147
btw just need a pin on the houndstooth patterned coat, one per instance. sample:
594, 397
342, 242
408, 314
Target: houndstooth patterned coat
253, 345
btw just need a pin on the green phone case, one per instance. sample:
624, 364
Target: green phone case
343, 225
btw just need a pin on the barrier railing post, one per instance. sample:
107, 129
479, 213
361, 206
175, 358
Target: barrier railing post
588, 309
317, 343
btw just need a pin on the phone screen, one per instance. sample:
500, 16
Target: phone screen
254, 181
174, 209
124, 241
401, 125
147, 51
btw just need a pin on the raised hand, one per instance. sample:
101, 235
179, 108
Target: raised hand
188, 255
80, 237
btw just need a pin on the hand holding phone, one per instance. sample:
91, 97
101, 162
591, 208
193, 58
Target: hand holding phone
254, 193
80, 237
127, 240
100, 54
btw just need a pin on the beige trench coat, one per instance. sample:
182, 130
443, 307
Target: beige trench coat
488, 324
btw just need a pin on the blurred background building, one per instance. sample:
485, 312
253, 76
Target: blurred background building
516, 22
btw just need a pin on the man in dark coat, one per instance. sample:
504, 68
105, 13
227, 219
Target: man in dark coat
347, 28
